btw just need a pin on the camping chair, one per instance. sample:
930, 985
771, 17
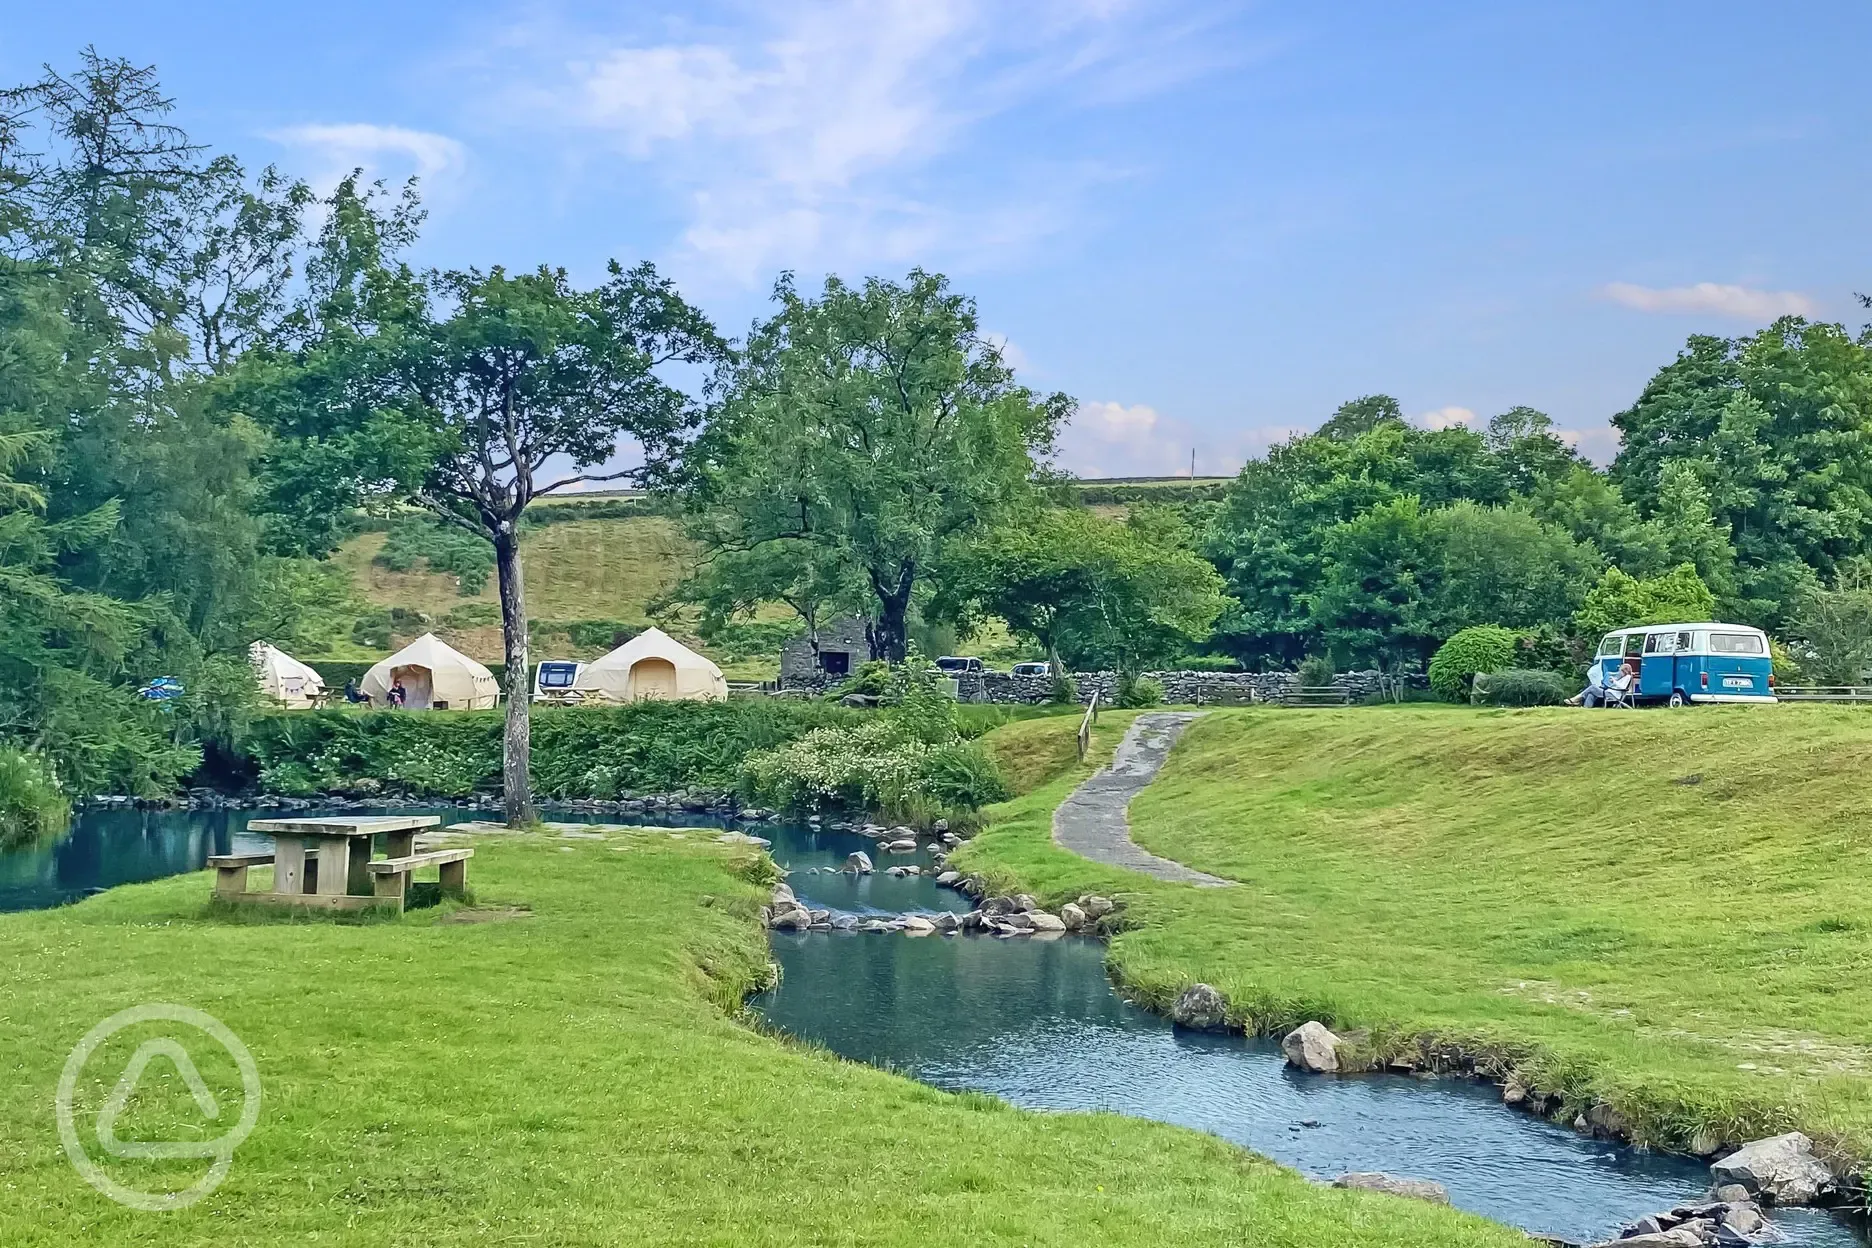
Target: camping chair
1626, 697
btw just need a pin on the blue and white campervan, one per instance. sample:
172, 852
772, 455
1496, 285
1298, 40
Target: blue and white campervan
1683, 663
554, 678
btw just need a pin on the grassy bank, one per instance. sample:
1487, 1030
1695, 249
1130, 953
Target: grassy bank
1664, 911
572, 1078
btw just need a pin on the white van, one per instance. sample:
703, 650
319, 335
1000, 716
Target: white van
553, 680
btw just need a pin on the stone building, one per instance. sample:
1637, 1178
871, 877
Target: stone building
844, 646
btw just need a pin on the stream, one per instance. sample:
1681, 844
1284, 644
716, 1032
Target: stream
1036, 1022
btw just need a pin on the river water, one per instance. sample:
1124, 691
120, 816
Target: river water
1037, 1023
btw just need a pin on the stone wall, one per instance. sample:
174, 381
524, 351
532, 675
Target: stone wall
1201, 688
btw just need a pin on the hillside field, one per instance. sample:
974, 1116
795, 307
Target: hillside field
1670, 911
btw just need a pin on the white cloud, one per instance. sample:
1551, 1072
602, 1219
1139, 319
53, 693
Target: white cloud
1736, 301
1107, 439
809, 137
381, 151
1445, 418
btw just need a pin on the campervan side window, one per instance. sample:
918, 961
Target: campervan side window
1609, 648
1736, 643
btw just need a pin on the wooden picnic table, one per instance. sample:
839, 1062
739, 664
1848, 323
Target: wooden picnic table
325, 863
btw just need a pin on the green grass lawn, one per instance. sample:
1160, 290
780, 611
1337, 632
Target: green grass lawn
574, 1077
1671, 911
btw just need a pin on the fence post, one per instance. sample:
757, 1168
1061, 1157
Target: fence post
1085, 726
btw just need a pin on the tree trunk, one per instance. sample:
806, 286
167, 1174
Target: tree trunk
893, 629
517, 747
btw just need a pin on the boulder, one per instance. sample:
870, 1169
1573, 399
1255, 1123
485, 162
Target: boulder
995, 906
1311, 1047
1392, 1185
1044, 922
1072, 916
1200, 1008
783, 896
1095, 907
946, 922
1780, 1169
1025, 902
1680, 1237
949, 879
859, 863
900, 847
917, 925
1019, 921
973, 921
1607, 1121
1730, 1193
790, 919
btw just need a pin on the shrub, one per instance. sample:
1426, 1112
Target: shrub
878, 765
443, 547
31, 805
1316, 671
1134, 692
1064, 690
1207, 663
1481, 648
1521, 687
578, 752
873, 679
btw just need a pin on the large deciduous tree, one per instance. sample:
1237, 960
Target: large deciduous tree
876, 425
525, 385
1094, 592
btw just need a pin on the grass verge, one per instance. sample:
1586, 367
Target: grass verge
1665, 913
571, 1074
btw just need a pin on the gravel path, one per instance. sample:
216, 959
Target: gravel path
1091, 822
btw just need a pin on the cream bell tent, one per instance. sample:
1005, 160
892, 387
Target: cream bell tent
433, 674
283, 678
652, 665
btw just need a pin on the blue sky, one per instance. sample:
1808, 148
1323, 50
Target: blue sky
1208, 223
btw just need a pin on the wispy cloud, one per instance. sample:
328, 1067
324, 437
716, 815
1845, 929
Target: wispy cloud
1108, 439
1709, 297
391, 152
811, 135
1445, 418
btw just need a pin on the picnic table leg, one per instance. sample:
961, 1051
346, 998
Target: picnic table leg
230, 881
357, 880
388, 887
455, 878
334, 860
289, 862
399, 844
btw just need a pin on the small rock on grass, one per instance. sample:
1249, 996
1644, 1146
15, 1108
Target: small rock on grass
1072, 916
1044, 922
1391, 1184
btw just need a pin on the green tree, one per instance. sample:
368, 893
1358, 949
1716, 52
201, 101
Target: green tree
1776, 427
508, 376
1523, 441
875, 424
1834, 627
1094, 592
1621, 601
1500, 565
1361, 415
1375, 600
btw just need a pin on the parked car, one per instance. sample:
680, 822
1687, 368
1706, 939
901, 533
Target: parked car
1033, 669
554, 678
959, 665
1679, 664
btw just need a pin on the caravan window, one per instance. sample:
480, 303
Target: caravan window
557, 675
1654, 642
1736, 643
1683, 643
1609, 648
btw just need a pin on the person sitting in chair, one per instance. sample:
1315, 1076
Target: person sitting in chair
1596, 694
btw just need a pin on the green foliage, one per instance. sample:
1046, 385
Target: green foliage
872, 679
1316, 671
1478, 648
32, 807
746, 639
1092, 593
1521, 687
1134, 692
470, 615
417, 540
1092, 494
578, 752
1064, 690
880, 765
588, 634
863, 433
1775, 426
1834, 627
1621, 601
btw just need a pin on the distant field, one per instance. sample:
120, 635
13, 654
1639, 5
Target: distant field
602, 569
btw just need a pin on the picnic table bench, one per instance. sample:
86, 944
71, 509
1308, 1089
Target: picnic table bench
326, 864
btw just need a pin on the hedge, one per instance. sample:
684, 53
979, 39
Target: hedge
578, 752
